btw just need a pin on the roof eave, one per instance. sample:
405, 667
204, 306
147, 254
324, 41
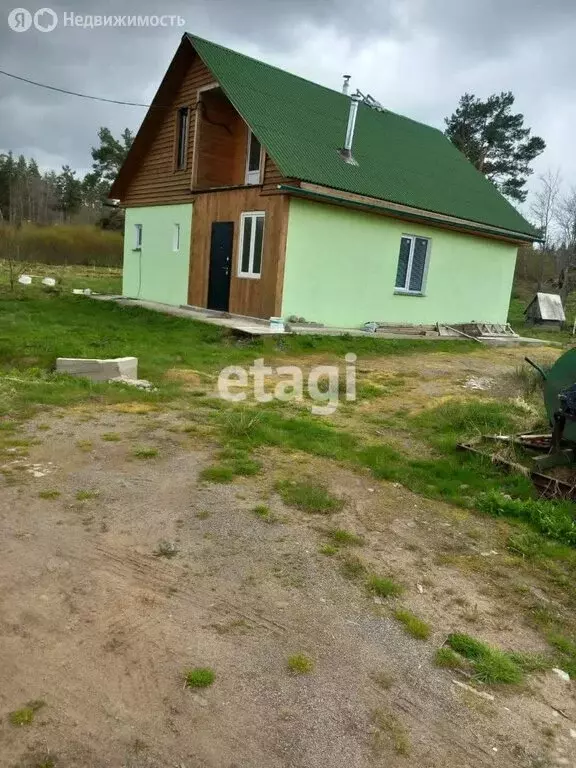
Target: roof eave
391, 209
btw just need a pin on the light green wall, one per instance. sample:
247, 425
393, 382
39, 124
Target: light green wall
341, 268
157, 272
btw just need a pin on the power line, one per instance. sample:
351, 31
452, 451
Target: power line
74, 93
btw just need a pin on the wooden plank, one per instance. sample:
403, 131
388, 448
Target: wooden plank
252, 297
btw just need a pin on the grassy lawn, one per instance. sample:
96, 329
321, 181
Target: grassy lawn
36, 326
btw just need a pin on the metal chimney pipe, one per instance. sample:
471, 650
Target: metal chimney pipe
346, 84
354, 102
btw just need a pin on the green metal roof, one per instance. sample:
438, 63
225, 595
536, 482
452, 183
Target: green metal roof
302, 125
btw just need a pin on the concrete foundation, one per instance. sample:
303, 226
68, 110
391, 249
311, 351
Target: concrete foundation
98, 370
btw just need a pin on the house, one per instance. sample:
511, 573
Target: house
241, 196
546, 309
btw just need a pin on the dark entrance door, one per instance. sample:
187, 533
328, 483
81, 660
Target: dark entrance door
220, 265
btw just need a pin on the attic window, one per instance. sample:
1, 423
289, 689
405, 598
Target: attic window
182, 148
253, 159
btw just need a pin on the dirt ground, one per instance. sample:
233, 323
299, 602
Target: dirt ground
98, 627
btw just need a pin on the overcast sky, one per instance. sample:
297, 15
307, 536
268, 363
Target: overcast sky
415, 56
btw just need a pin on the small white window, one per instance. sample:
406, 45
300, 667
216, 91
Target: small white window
412, 263
176, 238
251, 244
253, 159
137, 235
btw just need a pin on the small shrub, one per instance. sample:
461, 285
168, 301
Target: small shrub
412, 624
384, 587
111, 437
49, 494
328, 549
144, 452
204, 515
300, 664
309, 497
200, 677
165, 549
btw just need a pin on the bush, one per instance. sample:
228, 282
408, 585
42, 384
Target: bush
62, 244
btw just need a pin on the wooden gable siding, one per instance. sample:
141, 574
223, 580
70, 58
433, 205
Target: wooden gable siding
150, 176
253, 297
155, 180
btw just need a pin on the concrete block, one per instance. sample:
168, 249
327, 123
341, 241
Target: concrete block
97, 369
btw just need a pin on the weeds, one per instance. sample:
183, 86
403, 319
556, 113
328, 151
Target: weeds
387, 723
492, 666
165, 549
145, 452
300, 664
384, 587
309, 497
111, 437
50, 494
217, 473
412, 624
263, 512
25, 716
86, 495
200, 677
352, 567
328, 549
446, 658
344, 538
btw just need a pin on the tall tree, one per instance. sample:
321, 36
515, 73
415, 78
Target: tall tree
109, 156
544, 211
495, 141
69, 192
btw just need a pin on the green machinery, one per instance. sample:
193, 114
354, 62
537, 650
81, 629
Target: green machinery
560, 402
552, 449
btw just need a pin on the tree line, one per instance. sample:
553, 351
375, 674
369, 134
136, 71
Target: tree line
28, 195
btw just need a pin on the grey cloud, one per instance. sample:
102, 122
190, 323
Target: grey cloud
440, 48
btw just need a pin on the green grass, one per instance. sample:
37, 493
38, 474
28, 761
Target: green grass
111, 437
85, 495
38, 326
344, 538
309, 497
25, 715
200, 677
490, 665
217, 473
446, 658
329, 550
263, 512
300, 664
415, 626
384, 587
145, 452
49, 493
